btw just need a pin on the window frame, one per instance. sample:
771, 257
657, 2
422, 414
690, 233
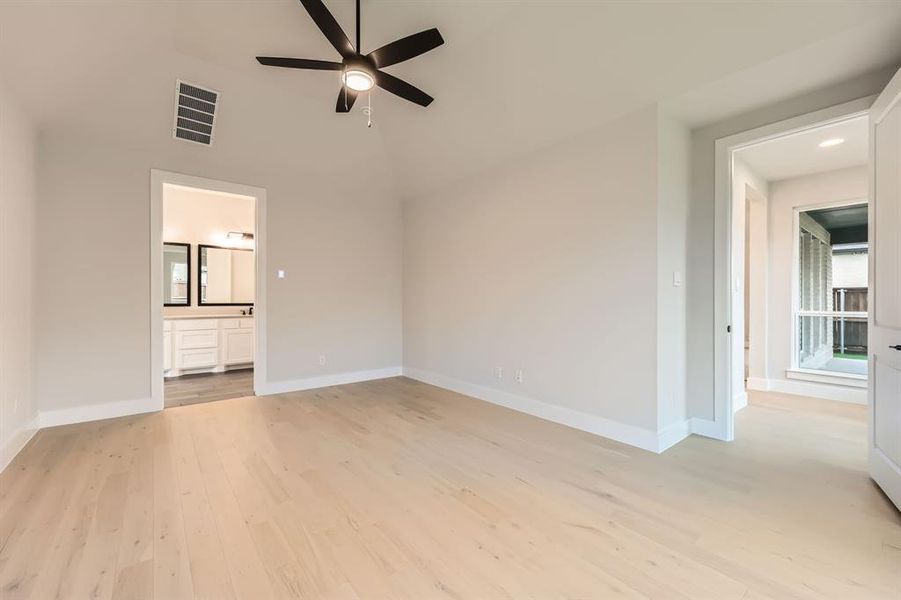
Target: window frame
187, 246
796, 371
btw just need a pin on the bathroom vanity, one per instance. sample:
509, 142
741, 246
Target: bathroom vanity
207, 344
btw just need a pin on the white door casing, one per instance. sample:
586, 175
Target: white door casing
884, 439
158, 180
722, 425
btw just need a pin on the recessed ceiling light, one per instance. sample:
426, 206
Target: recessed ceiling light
832, 142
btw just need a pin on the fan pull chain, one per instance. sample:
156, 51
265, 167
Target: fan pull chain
369, 109
344, 87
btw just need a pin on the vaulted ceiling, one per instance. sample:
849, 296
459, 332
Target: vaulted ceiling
512, 76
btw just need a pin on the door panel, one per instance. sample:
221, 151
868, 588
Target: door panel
886, 216
887, 388
885, 291
238, 346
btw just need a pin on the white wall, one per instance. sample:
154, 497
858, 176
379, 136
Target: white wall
700, 274
550, 265
757, 281
18, 409
785, 196
673, 190
195, 217
476, 298
340, 246
749, 191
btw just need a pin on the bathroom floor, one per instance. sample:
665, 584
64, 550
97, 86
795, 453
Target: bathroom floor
208, 387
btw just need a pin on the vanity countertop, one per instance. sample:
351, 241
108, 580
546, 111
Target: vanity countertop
238, 316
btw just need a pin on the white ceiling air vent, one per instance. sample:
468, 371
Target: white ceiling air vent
195, 112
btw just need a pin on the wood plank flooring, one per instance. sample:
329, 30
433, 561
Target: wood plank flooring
207, 387
396, 489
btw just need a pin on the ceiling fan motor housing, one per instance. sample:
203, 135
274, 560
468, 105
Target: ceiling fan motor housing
362, 63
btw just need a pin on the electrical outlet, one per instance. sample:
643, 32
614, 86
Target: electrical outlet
322, 359
518, 376
499, 372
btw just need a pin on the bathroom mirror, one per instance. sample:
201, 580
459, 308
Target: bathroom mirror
176, 274
226, 276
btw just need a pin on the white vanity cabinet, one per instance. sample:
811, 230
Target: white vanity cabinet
167, 345
207, 345
237, 341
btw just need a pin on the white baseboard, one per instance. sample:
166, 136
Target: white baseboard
824, 391
706, 428
311, 383
814, 376
96, 412
819, 390
758, 383
17, 440
739, 401
645, 439
673, 434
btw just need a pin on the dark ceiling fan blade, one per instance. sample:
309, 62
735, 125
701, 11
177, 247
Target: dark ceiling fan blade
402, 88
329, 27
406, 48
346, 99
300, 63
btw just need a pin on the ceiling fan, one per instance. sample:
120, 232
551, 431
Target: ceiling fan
361, 72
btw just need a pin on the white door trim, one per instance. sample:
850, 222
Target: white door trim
158, 179
723, 414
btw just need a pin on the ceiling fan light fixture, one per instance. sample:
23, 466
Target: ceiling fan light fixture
358, 80
362, 72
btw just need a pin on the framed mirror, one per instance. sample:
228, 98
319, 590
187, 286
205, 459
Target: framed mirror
176, 274
226, 276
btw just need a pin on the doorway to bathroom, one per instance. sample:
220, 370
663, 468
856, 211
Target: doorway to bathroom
206, 255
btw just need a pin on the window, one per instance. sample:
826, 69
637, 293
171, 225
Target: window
179, 280
831, 315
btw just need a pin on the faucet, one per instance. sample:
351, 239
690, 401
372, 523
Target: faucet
251, 311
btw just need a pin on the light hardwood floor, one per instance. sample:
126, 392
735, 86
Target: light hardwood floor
395, 489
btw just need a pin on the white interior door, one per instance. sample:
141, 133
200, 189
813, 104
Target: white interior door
885, 291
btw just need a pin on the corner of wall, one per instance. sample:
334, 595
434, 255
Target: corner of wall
18, 202
673, 191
